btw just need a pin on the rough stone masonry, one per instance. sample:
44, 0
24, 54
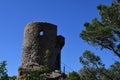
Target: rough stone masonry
41, 48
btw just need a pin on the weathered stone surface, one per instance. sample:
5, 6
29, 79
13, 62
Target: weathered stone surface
41, 48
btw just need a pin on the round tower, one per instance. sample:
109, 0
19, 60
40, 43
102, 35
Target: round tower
41, 48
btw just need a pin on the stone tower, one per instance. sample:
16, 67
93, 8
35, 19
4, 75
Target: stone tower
41, 48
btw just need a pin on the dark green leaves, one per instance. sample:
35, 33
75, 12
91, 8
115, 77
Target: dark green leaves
106, 31
3, 71
88, 59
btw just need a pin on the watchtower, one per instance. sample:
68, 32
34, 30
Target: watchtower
41, 47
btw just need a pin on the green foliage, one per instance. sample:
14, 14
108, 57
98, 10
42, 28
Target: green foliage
64, 79
74, 76
93, 68
3, 71
90, 60
45, 61
46, 55
88, 74
114, 70
105, 32
12, 78
35, 75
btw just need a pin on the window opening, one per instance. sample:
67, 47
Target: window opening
41, 33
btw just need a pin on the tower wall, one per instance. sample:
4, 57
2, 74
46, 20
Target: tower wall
41, 48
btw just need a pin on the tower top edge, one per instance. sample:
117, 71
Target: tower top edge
40, 23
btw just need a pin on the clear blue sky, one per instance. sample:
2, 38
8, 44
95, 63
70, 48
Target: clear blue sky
68, 15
